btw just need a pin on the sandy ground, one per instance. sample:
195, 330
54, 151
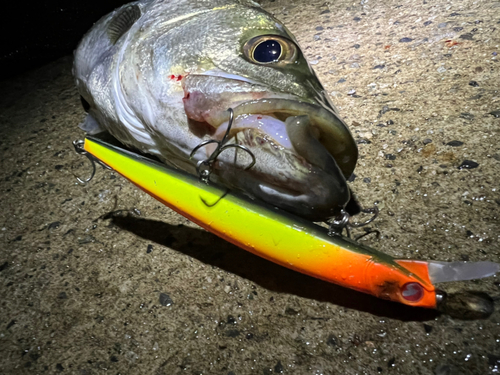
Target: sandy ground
151, 293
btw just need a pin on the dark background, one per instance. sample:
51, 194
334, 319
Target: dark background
34, 33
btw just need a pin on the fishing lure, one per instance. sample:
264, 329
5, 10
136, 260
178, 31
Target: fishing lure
289, 240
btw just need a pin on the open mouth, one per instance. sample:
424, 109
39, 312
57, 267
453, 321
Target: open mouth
304, 153
291, 124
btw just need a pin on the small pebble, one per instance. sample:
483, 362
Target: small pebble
473, 84
467, 36
367, 180
495, 113
356, 19
232, 333
352, 178
391, 362
467, 116
390, 157
457, 29
442, 25
319, 28
149, 249
427, 23
427, 141
342, 80
62, 295
332, 341
278, 369
454, 143
54, 225
379, 67
165, 299
363, 141
405, 40
290, 311
468, 164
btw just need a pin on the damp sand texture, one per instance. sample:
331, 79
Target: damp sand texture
103, 279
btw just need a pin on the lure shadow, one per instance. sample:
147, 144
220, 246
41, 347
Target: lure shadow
214, 251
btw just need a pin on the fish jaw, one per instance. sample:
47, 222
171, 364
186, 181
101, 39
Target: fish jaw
301, 168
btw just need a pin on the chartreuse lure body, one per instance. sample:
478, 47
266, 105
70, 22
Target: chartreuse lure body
286, 239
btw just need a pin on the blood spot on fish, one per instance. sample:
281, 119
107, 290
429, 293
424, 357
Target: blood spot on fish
176, 77
259, 117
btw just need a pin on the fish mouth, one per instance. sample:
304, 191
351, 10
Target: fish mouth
303, 152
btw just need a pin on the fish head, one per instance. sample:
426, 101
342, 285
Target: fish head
304, 152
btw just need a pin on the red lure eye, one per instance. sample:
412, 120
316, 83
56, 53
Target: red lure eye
412, 292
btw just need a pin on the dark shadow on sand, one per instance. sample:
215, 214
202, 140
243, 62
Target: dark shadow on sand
214, 251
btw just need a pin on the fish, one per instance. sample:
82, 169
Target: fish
161, 76
299, 244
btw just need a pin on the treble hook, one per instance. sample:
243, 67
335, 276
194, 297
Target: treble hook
208, 163
343, 221
79, 149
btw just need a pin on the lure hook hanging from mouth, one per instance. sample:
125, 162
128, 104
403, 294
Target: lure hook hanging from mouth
204, 167
344, 221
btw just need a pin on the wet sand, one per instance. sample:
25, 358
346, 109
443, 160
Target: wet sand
103, 279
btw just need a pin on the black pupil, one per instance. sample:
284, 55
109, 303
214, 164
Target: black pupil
267, 51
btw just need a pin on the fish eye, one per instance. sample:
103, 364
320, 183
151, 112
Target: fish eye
270, 49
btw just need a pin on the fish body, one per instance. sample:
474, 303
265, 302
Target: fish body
160, 76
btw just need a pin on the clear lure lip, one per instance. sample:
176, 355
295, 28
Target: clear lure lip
465, 305
440, 272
